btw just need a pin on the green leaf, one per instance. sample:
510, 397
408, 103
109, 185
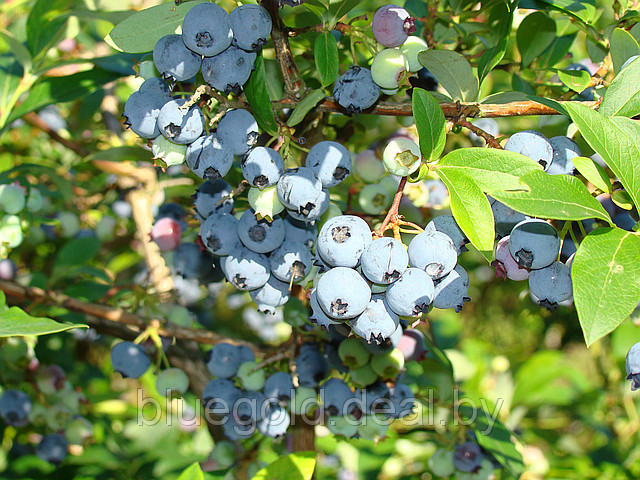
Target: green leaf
490, 168
471, 209
45, 24
559, 197
194, 472
593, 173
584, 10
623, 46
623, 95
556, 51
258, 97
494, 437
576, 80
491, 57
17, 322
295, 466
306, 104
140, 32
51, 90
606, 280
340, 9
535, 34
430, 123
453, 72
77, 251
17, 48
557, 106
325, 52
616, 141
622, 199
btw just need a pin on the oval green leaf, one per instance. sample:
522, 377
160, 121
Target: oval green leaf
536, 32
194, 472
576, 80
325, 52
453, 72
593, 173
295, 466
430, 123
16, 322
306, 104
623, 46
258, 97
623, 95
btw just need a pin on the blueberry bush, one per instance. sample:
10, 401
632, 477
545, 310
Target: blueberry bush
299, 239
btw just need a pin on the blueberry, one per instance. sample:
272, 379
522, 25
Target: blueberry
321, 205
191, 262
299, 190
448, 225
245, 269
143, 107
208, 158
172, 210
355, 90
166, 232
376, 398
377, 322
182, 126
387, 344
534, 243
174, 60
402, 156
291, 259
452, 290
228, 71
9, 270
220, 395
172, 382
467, 457
412, 294
342, 240
213, 196
275, 421
52, 448
251, 26
551, 285
412, 345
238, 131
505, 218
402, 400
223, 360
531, 144
250, 407
311, 365
392, 25
260, 236
426, 80
279, 387
384, 260
388, 68
632, 366
564, 151
343, 293
297, 231
271, 295
246, 354
337, 397
434, 252
505, 265
15, 407
236, 430
330, 161
129, 359
317, 314
206, 29
441, 463
262, 167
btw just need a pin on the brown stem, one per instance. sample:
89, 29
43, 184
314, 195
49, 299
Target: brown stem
392, 214
35, 121
490, 139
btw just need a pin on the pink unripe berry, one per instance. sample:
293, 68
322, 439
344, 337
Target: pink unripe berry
392, 25
505, 264
166, 233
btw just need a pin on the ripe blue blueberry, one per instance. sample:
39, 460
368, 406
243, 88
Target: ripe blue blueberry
15, 407
337, 397
505, 217
262, 167
355, 90
534, 243
291, 260
322, 204
143, 107
343, 293
52, 448
219, 233
467, 457
223, 360
250, 407
377, 322
279, 387
452, 290
190, 261
311, 365
299, 189
213, 196
531, 144
551, 285
376, 398
129, 359
297, 231
632, 366
174, 60
448, 225
220, 395
275, 421
206, 29
228, 71
434, 252
271, 295
412, 294
564, 151
317, 314
251, 26
330, 161
208, 158
180, 125
342, 240
260, 236
402, 400
384, 260
238, 131
245, 269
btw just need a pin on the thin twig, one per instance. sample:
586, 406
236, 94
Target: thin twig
392, 214
490, 139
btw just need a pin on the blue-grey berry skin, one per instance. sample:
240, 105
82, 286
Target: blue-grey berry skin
505, 217
191, 262
275, 421
355, 90
377, 322
534, 244
531, 144
271, 295
376, 398
434, 252
238, 131
251, 26
412, 293
299, 189
52, 448
632, 366
279, 387
467, 457
174, 60
389, 343
448, 225
384, 260
208, 158
15, 407
337, 397
220, 395
402, 400
342, 240
299, 231
262, 167
332, 355
291, 260
223, 360
564, 151
343, 293
211, 197
551, 285
182, 126
236, 430
219, 233
143, 107
129, 359
311, 365
228, 71
250, 407
260, 236
245, 269
317, 314
321, 205
330, 161
452, 290
246, 354
206, 29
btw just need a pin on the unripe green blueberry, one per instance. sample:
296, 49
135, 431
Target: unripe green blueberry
369, 167
388, 68
389, 91
389, 364
15, 353
50, 379
172, 382
441, 463
373, 427
147, 69
35, 202
69, 398
170, 153
78, 430
249, 380
402, 156
58, 416
181, 316
483, 473
69, 224
11, 231
12, 199
304, 400
265, 202
364, 376
38, 415
411, 47
346, 426
104, 228
224, 453
353, 353
374, 199
390, 182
